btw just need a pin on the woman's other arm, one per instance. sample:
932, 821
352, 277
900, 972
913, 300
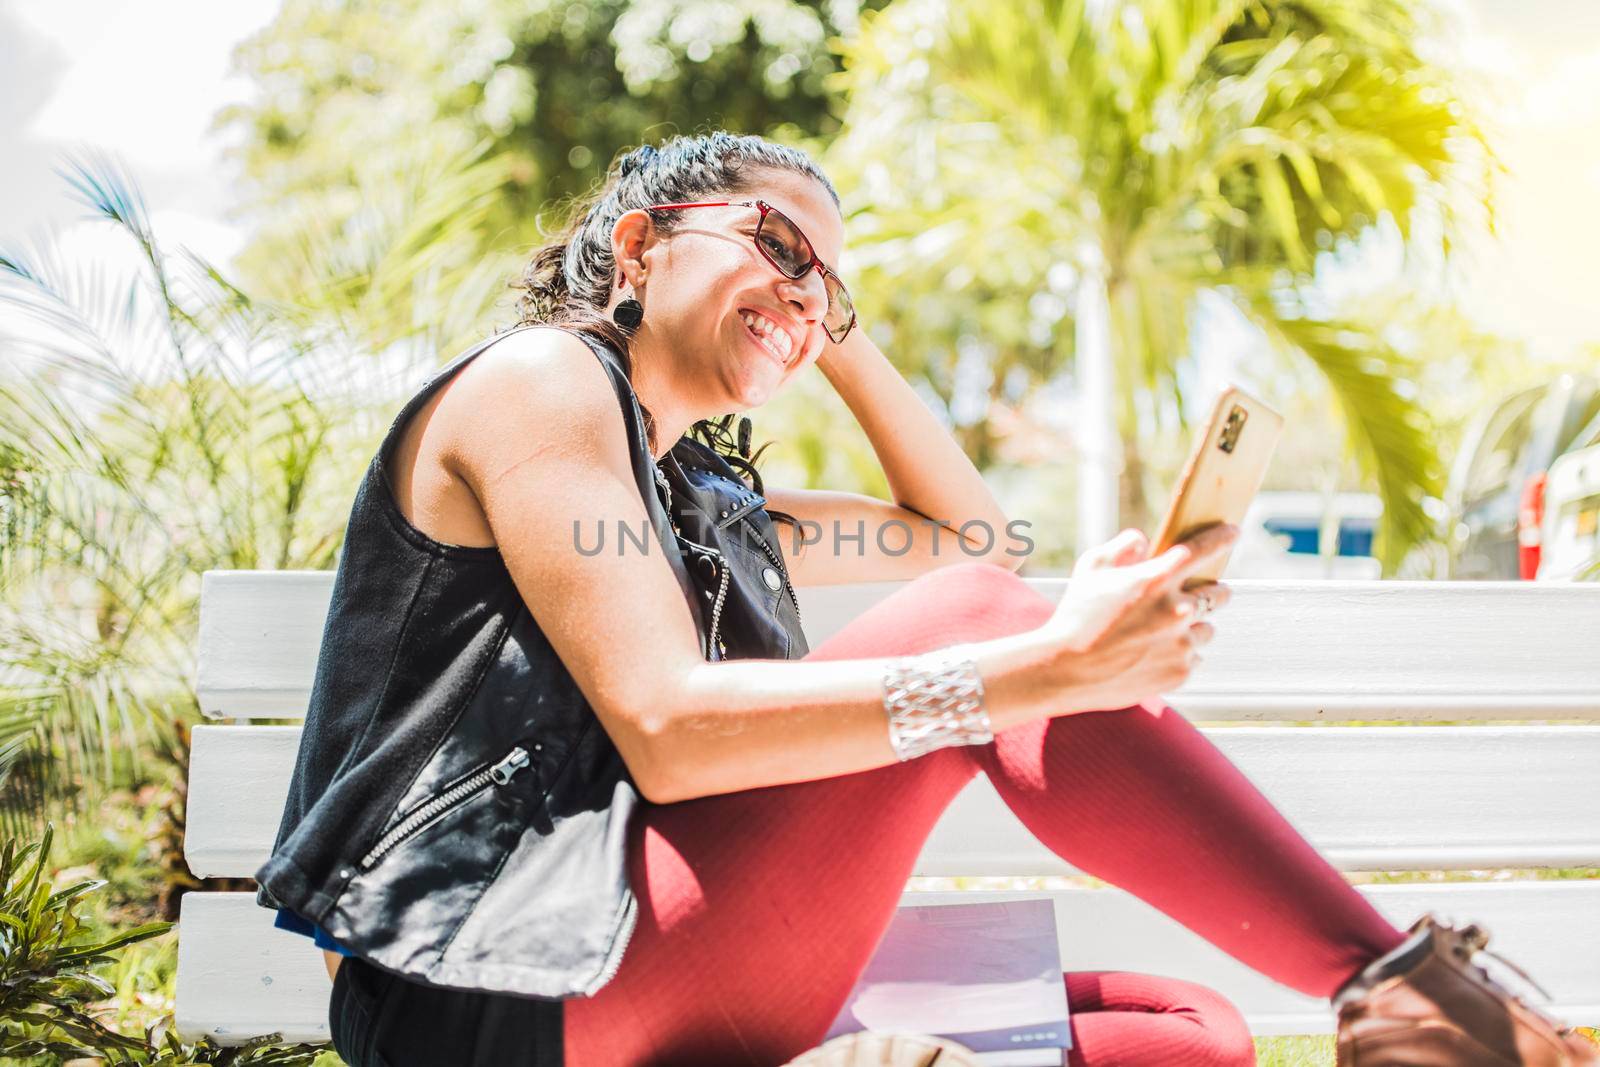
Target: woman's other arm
943, 511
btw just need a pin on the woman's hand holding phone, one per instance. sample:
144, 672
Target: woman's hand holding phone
1126, 627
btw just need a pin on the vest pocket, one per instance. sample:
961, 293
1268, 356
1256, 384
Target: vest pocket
447, 800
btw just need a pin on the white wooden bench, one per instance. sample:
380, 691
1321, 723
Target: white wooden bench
1495, 789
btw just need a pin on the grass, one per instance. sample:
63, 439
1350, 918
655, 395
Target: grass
1318, 1051
1295, 1051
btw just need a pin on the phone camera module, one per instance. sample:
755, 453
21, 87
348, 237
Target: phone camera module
1231, 429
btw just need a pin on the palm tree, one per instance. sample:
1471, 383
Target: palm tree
398, 259
155, 422
1155, 151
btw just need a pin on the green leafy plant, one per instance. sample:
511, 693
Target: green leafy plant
48, 955
51, 956
348, 96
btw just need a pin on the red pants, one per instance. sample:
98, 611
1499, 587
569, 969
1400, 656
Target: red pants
758, 909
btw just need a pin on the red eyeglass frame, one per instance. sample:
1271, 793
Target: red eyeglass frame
816, 261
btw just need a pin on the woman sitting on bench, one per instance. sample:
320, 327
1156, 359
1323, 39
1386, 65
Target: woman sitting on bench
543, 814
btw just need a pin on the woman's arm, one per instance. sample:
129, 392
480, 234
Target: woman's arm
533, 428
851, 537
927, 472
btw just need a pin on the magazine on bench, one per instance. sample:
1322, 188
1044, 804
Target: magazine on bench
986, 976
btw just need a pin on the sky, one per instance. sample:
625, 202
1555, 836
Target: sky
1539, 62
144, 80
139, 80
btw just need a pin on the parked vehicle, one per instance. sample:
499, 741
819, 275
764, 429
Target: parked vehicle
1496, 491
1308, 535
1569, 543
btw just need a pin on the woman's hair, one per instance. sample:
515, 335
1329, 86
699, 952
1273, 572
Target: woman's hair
568, 281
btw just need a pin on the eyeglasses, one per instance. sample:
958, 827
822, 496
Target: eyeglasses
789, 250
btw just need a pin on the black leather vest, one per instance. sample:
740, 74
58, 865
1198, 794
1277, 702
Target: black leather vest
457, 814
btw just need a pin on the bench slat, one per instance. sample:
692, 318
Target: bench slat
1316, 650
239, 977
1372, 798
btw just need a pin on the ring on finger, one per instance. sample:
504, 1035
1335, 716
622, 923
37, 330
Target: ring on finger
1204, 605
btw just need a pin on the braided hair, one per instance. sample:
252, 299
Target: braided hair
568, 280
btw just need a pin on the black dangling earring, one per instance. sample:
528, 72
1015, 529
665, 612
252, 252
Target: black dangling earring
628, 314
744, 437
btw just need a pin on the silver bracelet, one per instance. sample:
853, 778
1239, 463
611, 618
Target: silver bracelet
935, 700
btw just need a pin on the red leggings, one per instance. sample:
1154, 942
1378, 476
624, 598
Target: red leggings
759, 908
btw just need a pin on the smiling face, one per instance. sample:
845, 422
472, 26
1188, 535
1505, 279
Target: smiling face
724, 329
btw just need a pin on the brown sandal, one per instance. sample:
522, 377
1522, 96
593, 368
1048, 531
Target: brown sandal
1426, 1004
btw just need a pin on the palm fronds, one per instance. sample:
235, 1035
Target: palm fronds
402, 261
1390, 433
1174, 147
159, 422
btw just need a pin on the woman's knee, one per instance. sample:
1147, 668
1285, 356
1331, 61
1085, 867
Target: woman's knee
954, 604
1227, 1042
1198, 1026
978, 592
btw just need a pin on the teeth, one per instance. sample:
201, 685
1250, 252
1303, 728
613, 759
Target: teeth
775, 339
779, 341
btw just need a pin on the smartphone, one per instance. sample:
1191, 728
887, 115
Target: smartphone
1224, 470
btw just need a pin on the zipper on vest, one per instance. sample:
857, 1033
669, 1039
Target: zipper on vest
437, 807
712, 639
613, 960
777, 564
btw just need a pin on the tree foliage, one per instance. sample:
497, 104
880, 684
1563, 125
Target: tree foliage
157, 422
349, 94
1175, 147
